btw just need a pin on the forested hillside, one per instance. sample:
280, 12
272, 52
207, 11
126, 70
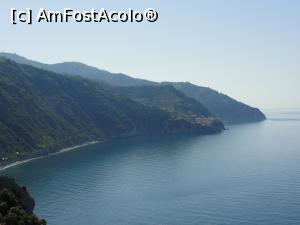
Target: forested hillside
224, 107
42, 112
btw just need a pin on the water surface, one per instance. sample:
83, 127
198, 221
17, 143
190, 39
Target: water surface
249, 174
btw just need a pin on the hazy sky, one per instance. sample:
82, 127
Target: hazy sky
247, 49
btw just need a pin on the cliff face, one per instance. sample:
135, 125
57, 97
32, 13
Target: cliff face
16, 204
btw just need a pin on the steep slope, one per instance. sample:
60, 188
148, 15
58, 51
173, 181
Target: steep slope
222, 106
167, 98
42, 112
76, 68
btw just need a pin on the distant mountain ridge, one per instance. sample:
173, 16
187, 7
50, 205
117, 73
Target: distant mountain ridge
77, 68
42, 112
222, 106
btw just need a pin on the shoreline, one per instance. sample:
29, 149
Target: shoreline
13, 164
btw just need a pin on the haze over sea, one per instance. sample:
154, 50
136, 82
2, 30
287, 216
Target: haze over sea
249, 174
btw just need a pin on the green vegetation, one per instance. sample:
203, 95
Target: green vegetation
80, 69
181, 108
16, 205
222, 106
167, 98
42, 112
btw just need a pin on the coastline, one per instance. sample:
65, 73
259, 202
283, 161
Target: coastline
13, 164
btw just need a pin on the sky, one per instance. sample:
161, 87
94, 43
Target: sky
249, 50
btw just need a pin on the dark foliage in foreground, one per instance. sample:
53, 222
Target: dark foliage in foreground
16, 205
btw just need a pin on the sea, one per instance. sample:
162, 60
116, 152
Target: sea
249, 174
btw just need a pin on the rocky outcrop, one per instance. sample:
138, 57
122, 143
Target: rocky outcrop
16, 204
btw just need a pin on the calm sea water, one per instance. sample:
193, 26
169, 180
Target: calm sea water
249, 174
